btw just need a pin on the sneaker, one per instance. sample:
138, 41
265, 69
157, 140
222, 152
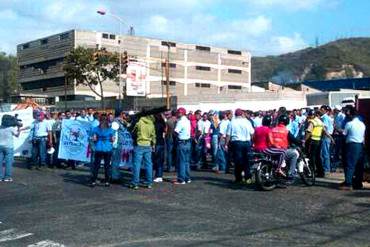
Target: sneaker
179, 183
248, 181
158, 180
8, 180
107, 184
148, 186
280, 172
92, 184
188, 182
344, 186
133, 187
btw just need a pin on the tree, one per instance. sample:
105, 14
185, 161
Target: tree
8, 76
92, 67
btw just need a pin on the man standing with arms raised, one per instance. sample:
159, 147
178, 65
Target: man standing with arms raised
183, 150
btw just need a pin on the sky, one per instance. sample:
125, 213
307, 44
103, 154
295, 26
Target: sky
263, 27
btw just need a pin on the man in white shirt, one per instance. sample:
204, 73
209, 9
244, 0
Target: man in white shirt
82, 116
354, 132
41, 139
183, 150
239, 134
203, 131
90, 115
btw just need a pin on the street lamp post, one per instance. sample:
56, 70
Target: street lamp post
120, 21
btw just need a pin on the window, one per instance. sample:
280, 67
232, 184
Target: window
168, 43
234, 71
233, 52
64, 36
44, 41
25, 46
172, 83
105, 36
234, 87
47, 83
203, 48
112, 36
203, 85
172, 65
203, 68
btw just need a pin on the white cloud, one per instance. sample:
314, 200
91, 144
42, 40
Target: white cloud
159, 23
8, 14
255, 26
284, 44
192, 21
289, 4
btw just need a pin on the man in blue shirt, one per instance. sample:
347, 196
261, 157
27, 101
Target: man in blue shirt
326, 140
339, 118
354, 133
239, 134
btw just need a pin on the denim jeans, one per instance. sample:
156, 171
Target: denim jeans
99, 156
39, 151
240, 152
338, 151
354, 164
142, 154
116, 161
169, 153
158, 160
325, 154
222, 157
6, 157
214, 144
291, 157
183, 161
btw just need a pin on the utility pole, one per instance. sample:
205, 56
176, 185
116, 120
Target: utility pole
65, 93
168, 103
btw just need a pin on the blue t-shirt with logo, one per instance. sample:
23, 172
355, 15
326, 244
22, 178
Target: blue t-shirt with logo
103, 144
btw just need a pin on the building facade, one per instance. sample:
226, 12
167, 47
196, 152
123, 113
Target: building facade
194, 69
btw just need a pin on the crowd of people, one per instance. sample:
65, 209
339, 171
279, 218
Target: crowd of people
181, 141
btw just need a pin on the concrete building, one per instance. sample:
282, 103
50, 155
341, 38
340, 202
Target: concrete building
194, 69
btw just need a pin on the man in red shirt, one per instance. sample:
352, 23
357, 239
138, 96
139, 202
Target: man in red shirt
261, 135
278, 142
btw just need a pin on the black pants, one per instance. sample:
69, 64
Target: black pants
314, 155
240, 153
99, 156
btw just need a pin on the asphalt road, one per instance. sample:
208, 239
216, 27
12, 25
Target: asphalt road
56, 208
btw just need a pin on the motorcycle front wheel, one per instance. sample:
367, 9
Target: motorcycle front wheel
308, 173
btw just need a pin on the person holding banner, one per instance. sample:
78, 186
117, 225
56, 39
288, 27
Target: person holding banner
122, 147
103, 137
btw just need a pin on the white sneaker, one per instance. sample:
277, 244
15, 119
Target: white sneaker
158, 180
8, 180
188, 182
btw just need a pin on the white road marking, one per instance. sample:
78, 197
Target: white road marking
46, 243
12, 234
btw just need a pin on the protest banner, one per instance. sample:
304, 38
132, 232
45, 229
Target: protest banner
127, 147
22, 144
74, 141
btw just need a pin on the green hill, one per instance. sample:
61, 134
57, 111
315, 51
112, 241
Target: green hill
345, 58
